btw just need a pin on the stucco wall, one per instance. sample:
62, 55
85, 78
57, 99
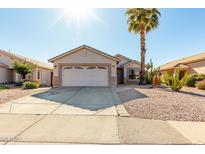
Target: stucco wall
45, 76
198, 67
5, 60
56, 81
16, 76
85, 56
5, 75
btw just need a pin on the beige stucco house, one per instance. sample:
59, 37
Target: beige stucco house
42, 71
127, 70
86, 66
192, 65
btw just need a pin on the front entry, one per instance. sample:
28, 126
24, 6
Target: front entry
120, 75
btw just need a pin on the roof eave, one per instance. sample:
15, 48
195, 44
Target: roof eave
123, 57
131, 62
81, 47
22, 59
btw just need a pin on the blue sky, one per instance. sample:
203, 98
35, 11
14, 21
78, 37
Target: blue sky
36, 34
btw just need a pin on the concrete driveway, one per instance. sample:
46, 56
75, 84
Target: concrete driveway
68, 101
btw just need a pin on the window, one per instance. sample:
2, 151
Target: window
78, 67
68, 67
39, 75
91, 67
133, 73
101, 67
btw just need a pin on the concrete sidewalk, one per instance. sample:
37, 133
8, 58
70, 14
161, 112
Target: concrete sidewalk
67, 129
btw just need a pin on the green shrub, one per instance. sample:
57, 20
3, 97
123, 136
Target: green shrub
201, 85
2, 87
30, 85
193, 78
166, 79
174, 81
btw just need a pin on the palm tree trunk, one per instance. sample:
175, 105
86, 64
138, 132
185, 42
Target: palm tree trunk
143, 51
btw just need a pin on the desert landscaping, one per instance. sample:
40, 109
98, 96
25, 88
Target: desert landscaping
162, 103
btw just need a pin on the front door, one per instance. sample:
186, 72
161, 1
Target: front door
120, 75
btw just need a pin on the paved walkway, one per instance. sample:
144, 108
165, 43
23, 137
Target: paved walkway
68, 129
87, 116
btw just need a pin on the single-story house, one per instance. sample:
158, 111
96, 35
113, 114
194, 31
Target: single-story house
192, 65
127, 70
86, 66
42, 71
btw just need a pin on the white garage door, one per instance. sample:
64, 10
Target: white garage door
85, 76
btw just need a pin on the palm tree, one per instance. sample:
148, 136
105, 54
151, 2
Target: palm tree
142, 20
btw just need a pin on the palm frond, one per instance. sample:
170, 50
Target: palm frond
142, 17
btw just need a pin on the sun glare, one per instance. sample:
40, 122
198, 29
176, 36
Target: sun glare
77, 13
77, 16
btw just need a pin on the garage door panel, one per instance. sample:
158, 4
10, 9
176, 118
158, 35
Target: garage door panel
85, 77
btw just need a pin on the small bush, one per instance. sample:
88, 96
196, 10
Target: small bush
201, 85
151, 72
193, 78
30, 85
2, 87
166, 79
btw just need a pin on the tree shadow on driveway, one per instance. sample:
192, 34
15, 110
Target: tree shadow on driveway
90, 98
130, 94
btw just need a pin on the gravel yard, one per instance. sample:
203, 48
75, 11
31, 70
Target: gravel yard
164, 104
15, 93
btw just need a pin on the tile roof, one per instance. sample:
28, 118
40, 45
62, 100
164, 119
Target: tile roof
29, 60
186, 60
133, 61
128, 60
123, 57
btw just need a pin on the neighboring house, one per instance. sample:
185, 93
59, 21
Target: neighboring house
42, 71
193, 64
86, 66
